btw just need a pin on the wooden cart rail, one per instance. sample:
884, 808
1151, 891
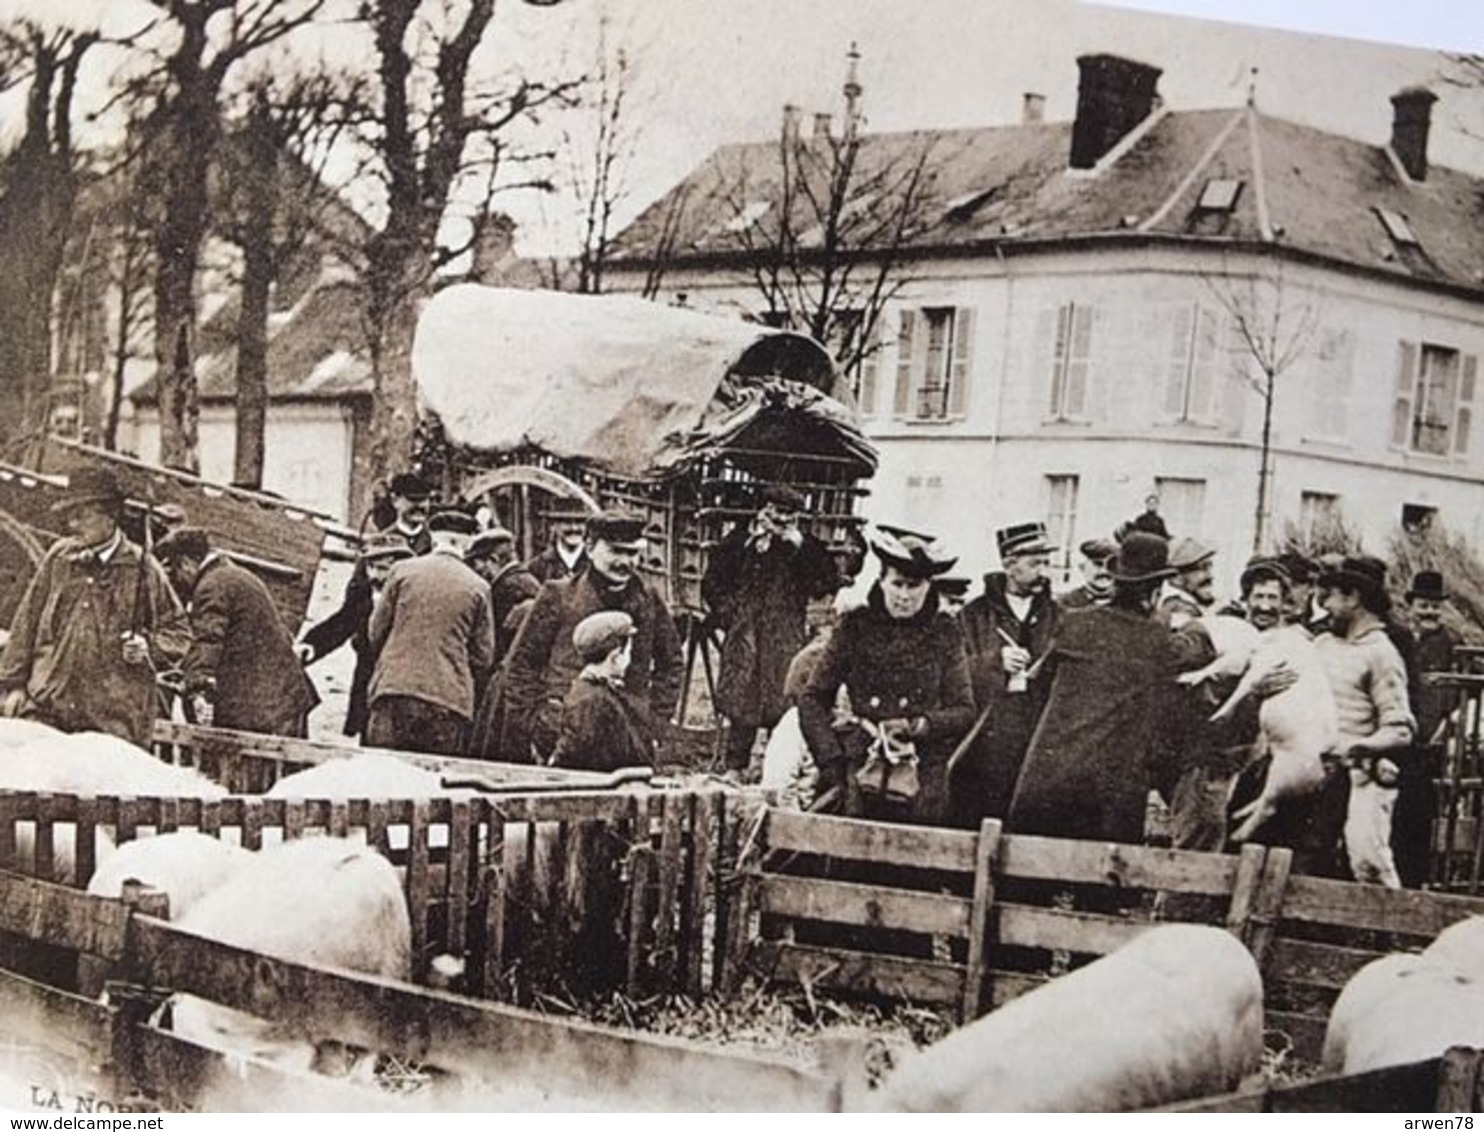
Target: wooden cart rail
480, 1042
524, 887
1451, 1083
974, 920
246, 762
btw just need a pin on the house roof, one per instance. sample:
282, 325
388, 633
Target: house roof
1006, 187
316, 348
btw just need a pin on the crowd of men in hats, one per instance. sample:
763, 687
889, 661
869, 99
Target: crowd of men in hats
932, 700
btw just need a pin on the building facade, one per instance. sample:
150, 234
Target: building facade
1089, 313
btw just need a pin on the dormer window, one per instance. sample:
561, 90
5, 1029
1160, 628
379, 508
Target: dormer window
1397, 227
963, 206
1220, 195
747, 217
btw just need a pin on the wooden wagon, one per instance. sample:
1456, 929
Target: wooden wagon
279, 542
535, 402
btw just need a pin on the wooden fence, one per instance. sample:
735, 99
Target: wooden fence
527, 888
803, 913
1458, 839
471, 1053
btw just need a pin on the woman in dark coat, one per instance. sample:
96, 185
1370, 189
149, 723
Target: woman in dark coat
903, 664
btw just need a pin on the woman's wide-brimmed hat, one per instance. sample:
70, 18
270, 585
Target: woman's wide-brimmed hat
914, 554
1142, 557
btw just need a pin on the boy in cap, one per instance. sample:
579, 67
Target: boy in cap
95, 621
758, 584
542, 661
602, 728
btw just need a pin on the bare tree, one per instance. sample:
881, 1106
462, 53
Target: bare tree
273, 202
434, 131
38, 191
206, 40
825, 226
662, 255
1274, 326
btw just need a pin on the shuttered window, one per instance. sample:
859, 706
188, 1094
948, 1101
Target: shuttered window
1328, 416
1069, 331
1193, 390
934, 362
1433, 406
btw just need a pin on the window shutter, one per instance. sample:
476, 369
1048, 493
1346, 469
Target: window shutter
1079, 360
902, 406
1465, 416
959, 369
1342, 361
1048, 354
1178, 369
1406, 384
1204, 386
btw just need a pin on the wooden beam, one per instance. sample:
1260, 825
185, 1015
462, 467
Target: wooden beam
61, 916
484, 1041
1373, 908
919, 847
864, 905
38, 1015
1314, 964
1022, 925
983, 900
1109, 863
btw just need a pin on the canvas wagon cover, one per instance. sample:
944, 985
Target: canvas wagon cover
630, 385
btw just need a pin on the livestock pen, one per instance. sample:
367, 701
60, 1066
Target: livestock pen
706, 895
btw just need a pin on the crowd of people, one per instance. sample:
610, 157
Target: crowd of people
934, 700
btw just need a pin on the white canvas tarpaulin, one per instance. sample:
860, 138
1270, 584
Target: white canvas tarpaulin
628, 384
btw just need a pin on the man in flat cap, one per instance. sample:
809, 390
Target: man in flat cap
95, 621
543, 662
241, 662
1007, 630
433, 632
1097, 578
758, 585
492, 556
602, 728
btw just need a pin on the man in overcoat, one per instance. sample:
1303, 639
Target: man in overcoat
95, 621
757, 586
542, 662
434, 637
566, 555
1092, 759
492, 556
242, 660
1008, 630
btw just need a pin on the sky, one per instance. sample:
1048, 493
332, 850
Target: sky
712, 72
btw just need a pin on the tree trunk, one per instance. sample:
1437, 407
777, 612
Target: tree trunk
258, 269
1265, 467
35, 213
398, 281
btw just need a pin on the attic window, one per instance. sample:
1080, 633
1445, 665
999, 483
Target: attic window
747, 217
1397, 227
965, 205
1219, 195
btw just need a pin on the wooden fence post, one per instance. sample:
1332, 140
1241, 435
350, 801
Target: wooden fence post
984, 861
1245, 890
1268, 905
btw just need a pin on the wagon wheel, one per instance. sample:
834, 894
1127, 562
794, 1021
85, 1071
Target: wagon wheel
521, 480
20, 554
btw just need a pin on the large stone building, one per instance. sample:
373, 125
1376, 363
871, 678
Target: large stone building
1086, 314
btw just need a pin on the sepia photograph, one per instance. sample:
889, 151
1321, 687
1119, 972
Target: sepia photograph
648, 556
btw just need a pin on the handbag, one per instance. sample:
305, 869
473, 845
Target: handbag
890, 770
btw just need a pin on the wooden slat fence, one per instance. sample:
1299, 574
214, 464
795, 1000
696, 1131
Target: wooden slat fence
1458, 754
541, 894
971, 921
483, 1045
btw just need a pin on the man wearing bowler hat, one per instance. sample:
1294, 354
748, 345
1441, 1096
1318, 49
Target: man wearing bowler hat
1007, 631
1111, 674
409, 494
758, 585
433, 633
543, 662
95, 622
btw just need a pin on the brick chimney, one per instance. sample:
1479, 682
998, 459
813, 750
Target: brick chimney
1113, 96
1033, 107
1411, 118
